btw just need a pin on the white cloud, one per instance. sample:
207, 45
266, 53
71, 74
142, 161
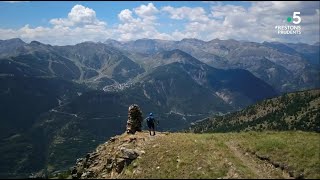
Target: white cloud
178, 35
146, 11
136, 28
79, 16
56, 35
143, 26
125, 15
283, 7
225, 10
253, 23
192, 14
80, 25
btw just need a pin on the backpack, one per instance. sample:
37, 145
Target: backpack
150, 119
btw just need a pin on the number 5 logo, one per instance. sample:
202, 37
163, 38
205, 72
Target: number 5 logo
296, 17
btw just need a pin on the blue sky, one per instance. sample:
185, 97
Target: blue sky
37, 13
19, 14
172, 20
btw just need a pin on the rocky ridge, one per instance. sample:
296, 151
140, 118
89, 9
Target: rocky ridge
109, 159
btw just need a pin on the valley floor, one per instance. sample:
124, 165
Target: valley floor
220, 155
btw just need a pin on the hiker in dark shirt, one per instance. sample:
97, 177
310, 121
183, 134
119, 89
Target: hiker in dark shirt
151, 123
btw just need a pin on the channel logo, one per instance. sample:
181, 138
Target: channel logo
290, 29
295, 18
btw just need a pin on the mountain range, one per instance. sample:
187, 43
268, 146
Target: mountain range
285, 66
59, 102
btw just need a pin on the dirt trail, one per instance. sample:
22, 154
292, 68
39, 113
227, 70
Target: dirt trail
261, 169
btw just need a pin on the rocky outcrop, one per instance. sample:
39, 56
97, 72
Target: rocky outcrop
134, 122
110, 158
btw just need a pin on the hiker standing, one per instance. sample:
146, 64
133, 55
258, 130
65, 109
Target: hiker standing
151, 123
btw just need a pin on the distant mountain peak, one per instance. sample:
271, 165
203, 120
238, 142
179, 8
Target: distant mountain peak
17, 40
109, 40
192, 40
37, 43
14, 40
89, 42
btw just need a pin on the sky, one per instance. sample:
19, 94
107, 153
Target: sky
72, 22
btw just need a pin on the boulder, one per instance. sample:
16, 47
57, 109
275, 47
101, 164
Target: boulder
129, 153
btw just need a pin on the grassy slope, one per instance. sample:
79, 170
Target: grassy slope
187, 155
299, 150
292, 111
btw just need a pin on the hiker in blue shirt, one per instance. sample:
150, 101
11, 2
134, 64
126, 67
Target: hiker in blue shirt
151, 122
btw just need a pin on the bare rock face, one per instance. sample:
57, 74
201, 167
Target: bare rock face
110, 158
134, 122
